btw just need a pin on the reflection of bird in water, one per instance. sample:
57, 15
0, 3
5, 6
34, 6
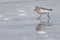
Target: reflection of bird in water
42, 11
41, 26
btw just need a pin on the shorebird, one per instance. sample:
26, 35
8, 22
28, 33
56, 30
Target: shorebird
42, 11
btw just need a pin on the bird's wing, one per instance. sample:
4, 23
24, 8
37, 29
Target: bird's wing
43, 8
46, 9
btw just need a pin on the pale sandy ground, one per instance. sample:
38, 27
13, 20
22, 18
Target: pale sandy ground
18, 21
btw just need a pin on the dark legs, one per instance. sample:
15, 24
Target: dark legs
39, 17
48, 21
48, 16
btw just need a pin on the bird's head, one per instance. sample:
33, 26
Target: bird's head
36, 8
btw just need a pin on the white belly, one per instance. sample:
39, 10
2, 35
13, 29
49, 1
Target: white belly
44, 11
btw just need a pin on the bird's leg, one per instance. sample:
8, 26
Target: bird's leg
48, 16
39, 17
48, 21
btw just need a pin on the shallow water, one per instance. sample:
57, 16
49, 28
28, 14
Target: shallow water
24, 25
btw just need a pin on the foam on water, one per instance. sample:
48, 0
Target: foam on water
22, 11
22, 14
6, 18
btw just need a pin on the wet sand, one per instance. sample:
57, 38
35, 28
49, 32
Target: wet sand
19, 21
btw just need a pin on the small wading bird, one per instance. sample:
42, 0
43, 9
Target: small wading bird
42, 11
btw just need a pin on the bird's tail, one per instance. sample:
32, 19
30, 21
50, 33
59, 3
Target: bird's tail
50, 9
